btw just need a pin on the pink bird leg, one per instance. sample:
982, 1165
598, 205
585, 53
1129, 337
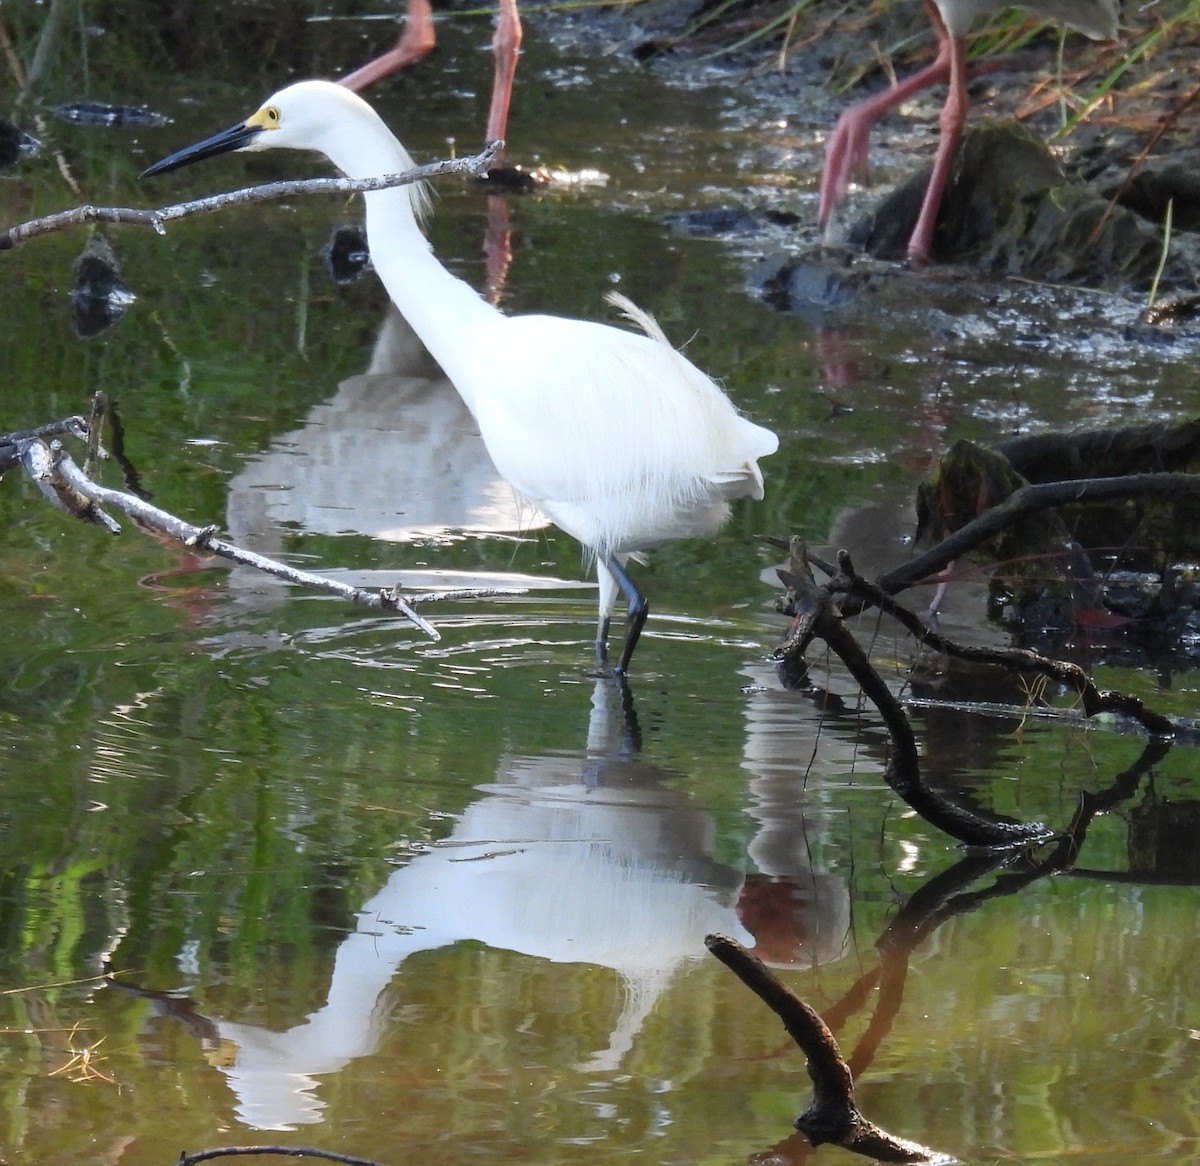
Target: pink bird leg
846, 149
418, 40
506, 47
950, 127
415, 42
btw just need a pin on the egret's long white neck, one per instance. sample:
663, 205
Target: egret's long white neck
446, 313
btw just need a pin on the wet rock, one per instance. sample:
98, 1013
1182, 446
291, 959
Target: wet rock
1133, 593
1149, 192
712, 222
15, 144
346, 256
1010, 210
1172, 312
808, 285
513, 180
99, 297
98, 113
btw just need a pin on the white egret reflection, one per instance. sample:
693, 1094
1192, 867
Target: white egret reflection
596, 858
394, 454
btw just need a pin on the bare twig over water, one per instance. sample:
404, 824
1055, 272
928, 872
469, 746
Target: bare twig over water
62, 482
1028, 500
158, 219
845, 580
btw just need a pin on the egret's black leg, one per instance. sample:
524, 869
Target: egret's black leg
635, 617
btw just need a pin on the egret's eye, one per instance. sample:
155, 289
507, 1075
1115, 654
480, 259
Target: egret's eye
271, 114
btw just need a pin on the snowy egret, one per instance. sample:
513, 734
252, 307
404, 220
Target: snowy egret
846, 149
613, 434
418, 39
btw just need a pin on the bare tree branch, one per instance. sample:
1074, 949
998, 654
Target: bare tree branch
70, 489
1024, 660
41, 464
158, 219
11, 443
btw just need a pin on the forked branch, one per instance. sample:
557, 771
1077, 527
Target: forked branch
63, 483
816, 617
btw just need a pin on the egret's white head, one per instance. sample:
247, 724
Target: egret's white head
310, 115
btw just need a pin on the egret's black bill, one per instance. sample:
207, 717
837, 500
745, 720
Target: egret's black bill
233, 138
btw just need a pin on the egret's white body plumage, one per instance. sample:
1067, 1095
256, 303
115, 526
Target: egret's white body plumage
613, 434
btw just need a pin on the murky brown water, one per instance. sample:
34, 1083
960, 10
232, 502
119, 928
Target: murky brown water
409, 899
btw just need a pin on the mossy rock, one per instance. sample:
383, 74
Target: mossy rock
1009, 209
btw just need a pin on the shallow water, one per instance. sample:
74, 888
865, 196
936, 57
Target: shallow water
403, 898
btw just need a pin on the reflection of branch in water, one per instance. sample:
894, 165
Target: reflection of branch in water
158, 219
937, 900
1063, 858
944, 897
180, 1008
815, 617
103, 408
63, 483
833, 1116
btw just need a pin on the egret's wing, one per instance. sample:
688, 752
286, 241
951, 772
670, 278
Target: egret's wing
615, 429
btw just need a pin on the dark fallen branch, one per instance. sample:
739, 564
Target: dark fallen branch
158, 219
69, 488
186, 1159
1024, 502
815, 616
833, 1117
845, 580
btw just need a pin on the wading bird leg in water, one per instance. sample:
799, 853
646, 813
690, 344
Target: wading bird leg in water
950, 127
615, 576
506, 48
497, 248
497, 243
418, 40
846, 149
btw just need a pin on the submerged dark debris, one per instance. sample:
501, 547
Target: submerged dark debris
98, 113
